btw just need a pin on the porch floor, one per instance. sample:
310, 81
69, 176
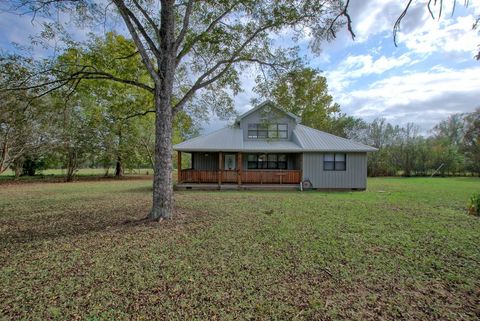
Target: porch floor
200, 186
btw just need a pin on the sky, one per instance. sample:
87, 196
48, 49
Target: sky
429, 76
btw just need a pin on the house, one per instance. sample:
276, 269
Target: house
268, 146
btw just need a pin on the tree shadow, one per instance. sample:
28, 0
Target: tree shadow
30, 230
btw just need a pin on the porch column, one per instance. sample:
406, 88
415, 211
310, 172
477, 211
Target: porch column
179, 167
240, 168
301, 167
220, 167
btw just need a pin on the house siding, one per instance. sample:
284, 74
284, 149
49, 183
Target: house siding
355, 175
273, 117
205, 161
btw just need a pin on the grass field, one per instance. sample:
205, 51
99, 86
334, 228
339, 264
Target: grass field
403, 250
82, 172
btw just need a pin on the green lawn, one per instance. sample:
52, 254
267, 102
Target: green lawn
403, 250
81, 172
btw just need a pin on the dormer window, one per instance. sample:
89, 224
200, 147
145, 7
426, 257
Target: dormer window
264, 131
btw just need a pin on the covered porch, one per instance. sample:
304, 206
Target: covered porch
240, 168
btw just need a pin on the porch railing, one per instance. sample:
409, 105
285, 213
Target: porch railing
247, 176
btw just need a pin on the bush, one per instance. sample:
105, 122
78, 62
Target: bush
474, 205
32, 164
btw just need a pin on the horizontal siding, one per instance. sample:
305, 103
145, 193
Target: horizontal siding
355, 175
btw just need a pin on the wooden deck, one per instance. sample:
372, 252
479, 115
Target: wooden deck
206, 187
240, 177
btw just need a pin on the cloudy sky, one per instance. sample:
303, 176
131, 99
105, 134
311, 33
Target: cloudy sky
430, 75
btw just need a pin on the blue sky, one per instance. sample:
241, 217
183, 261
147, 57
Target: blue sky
430, 75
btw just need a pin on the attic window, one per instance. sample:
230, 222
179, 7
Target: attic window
264, 131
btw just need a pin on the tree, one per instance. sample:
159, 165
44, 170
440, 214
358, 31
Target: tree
192, 46
22, 131
471, 143
304, 92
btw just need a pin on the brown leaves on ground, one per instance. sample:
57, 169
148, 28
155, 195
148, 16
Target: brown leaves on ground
85, 251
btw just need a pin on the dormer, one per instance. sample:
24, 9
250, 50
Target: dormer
267, 122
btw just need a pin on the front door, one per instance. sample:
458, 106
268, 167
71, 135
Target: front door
230, 163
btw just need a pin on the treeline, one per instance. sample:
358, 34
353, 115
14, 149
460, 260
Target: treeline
99, 123
451, 148
92, 123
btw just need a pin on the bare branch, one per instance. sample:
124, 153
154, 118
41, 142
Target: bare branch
149, 19
140, 114
396, 27
138, 42
344, 13
186, 22
127, 56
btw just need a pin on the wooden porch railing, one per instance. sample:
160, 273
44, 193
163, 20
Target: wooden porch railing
247, 176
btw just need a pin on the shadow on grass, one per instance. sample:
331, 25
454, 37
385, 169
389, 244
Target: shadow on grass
140, 190
74, 226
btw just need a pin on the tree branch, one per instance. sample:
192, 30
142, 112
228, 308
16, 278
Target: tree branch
396, 27
149, 19
186, 22
344, 13
186, 49
140, 114
138, 42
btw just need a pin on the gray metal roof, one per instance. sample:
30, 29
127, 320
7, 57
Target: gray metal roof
272, 104
314, 140
305, 139
225, 139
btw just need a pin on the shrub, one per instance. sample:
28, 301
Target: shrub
474, 205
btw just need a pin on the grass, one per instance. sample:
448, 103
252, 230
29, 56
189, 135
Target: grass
403, 250
82, 172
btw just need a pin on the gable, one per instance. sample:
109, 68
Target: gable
268, 108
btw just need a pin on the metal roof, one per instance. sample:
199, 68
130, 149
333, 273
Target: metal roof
225, 139
305, 139
314, 140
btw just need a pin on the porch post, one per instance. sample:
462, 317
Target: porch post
220, 167
179, 167
301, 167
240, 168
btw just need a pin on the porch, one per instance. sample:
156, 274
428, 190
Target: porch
240, 168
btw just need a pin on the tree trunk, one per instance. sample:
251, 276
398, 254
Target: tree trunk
71, 164
162, 178
119, 165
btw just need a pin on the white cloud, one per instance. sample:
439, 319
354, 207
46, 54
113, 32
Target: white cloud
357, 66
421, 97
448, 35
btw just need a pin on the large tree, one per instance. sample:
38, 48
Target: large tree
187, 47
303, 91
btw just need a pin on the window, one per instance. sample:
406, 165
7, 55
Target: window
263, 131
334, 162
252, 162
267, 161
